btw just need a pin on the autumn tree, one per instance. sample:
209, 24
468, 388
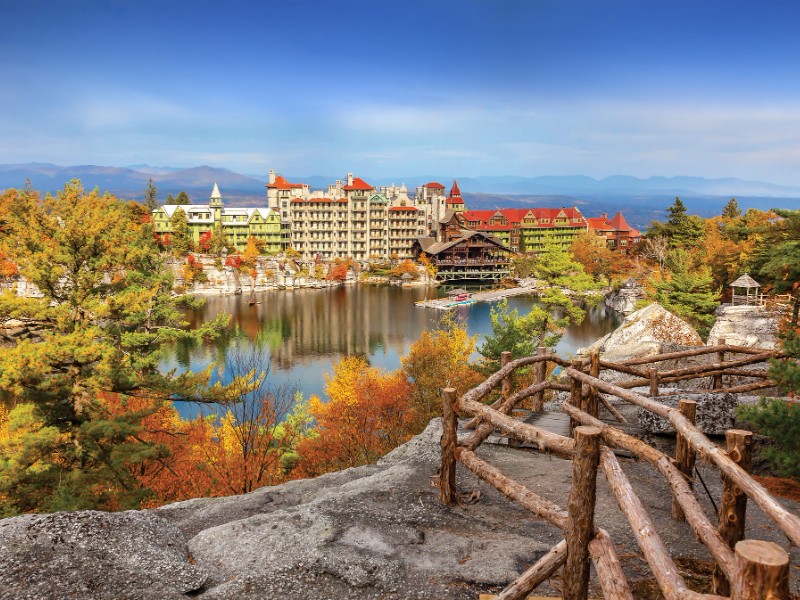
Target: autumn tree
369, 413
439, 359
108, 310
556, 266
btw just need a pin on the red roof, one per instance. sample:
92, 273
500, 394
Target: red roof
454, 191
434, 184
403, 208
455, 201
282, 184
516, 216
358, 184
600, 223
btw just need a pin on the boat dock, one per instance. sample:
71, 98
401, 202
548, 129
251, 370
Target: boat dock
488, 296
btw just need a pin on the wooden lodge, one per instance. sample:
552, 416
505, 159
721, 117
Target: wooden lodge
461, 254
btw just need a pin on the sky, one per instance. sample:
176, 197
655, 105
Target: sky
390, 88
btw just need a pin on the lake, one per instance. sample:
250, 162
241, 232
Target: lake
301, 333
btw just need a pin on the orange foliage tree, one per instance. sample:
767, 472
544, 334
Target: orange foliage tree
369, 414
439, 359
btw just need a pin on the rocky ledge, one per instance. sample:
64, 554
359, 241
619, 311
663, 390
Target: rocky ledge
374, 532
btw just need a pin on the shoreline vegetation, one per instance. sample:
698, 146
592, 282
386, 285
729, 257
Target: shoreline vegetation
87, 418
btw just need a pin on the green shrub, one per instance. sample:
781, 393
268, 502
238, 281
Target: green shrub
780, 421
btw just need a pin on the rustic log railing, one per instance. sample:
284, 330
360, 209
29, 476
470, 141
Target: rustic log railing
743, 569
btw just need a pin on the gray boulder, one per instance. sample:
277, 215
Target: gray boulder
751, 326
97, 555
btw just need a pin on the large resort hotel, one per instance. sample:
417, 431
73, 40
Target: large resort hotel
354, 219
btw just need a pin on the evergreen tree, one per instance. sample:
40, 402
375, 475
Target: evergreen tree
151, 195
73, 438
681, 230
778, 257
180, 241
556, 265
183, 198
731, 210
170, 200
687, 293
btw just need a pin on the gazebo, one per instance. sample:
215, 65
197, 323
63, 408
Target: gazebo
746, 283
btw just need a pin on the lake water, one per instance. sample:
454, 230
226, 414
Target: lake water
301, 333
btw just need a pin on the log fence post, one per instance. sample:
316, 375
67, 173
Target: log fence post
684, 454
447, 471
580, 526
720, 359
540, 372
576, 392
505, 390
653, 375
594, 371
733, 508
762, 571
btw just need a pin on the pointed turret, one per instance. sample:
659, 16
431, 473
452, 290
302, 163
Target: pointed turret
215, 195
454, 191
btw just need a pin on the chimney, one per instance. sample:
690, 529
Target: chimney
272, 175
349, 179
604, 216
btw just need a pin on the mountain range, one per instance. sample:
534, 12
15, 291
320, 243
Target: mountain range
642, 200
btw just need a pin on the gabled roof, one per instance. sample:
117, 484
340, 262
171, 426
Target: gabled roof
600, 224
545, 217
745, 281
434, 184
282, 184
431, 246
358, 184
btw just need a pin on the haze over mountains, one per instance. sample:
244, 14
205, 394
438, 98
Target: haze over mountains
642, 200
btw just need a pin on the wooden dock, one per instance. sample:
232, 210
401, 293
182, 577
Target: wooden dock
488, 296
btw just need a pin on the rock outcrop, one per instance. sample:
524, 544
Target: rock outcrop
624, 299
373, 532
644, 333
751, 326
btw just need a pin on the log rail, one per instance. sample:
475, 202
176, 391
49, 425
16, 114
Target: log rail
743, 569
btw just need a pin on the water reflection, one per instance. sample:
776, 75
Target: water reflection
305, 331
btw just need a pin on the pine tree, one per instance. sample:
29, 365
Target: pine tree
183, 198
180, 241
170, 200
151, 195
688, 293
731, 210
108, 309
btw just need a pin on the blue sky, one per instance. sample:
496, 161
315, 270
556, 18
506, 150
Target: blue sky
400, 88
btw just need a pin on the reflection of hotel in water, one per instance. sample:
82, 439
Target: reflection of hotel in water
305, 324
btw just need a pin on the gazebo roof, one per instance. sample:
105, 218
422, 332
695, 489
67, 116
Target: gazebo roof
745, 281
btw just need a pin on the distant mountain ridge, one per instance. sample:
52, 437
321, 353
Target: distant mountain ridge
642, 200
132, 179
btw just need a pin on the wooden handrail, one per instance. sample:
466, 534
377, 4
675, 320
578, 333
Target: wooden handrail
788, 523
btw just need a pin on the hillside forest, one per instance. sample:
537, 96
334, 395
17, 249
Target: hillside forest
87, 418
